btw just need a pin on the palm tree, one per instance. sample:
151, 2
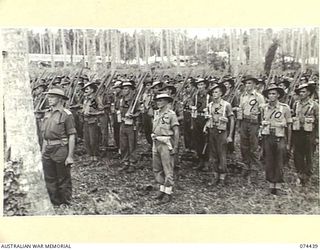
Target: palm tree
21, 144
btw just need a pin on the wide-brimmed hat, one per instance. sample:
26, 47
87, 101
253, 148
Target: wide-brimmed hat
128, 84
273, 87
229, 80
310, 87
117, 84
57, 80
206, 82
250, 77
163, 96
171, 87
41, 84
57, 91
156, 83
90, 84
286, 83
221, 86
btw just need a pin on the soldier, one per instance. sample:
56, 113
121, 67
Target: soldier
305, 132
115, 111
165, 145
220, 114
147, 112
199, 105
276, 117
248, 115
58, 148
128, 131
229, 84
284, 84
91, 113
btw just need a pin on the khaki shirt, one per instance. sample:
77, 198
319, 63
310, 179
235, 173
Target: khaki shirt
278, 115
251, 104
58, 124
200, 100
163, 123
308, 109
220, 109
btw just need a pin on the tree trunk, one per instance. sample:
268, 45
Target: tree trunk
108, 44
102, 48
303, 50
177, 48
168, 46
20, 126
161, 48
118, 39
91, 50
255, 62
124, 48
137, 47
113, 50
147, 46
196, 45
64, 48
52, 49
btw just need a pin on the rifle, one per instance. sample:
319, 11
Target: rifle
181, 88
236, 87
296, 79
137, 96
35, 83
40, 104
72, 92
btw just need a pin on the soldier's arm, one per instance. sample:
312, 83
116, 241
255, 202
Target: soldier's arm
71, 145
176, 136
230, 116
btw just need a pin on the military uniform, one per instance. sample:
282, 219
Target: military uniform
305, 130
249, 116
58, 126
219, 113
128, 134
162, 159
147, 115
275, 120
198, 121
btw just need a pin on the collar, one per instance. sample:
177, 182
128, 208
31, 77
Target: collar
60, 109
308, 101
276, 106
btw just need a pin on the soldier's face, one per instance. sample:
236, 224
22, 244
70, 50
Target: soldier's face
273, 95
304, 93
88, 90
227, 84
201, 85
126, 90
249, 85
53, 100
162, 102
166, 91
216, 93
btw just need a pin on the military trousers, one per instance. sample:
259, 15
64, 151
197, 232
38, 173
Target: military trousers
91, 138
187, 130
162, 164
104, 122
128, 144
199, 138
217, 147
147, 125
249, 143
57, 176
274, 148
302, 152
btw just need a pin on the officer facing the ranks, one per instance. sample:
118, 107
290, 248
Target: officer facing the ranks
219, 116
276, 120
305, 132
58, 148
165, 145
249, 116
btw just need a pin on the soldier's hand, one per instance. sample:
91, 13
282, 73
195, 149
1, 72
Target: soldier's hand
229, 139
69, 161
288, 146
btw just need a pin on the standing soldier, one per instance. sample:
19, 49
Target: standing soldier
128, 131
116, 114
220, 115
147, 112
276, 117
249, 116
58, 148
91, 113
305, 132
165, 145
229, 84
199, 105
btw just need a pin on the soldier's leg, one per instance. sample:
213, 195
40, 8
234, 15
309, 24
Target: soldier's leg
254, 146
245, 143
222, 154
132, 138
124, 145
94, 138
167, 162
308, 152
147, 124
86, 136
51, 179
156, 164
213, 159
298, 151
64, 182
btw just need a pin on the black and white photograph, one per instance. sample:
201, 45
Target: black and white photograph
159, 121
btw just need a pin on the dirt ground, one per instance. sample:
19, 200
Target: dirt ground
100, 188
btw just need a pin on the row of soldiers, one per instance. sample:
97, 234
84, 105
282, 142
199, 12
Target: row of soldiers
282, 113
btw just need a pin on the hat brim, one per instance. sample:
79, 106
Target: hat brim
63, 96
221, 87
278, 89
311, 88
170, 99
173, 89
251, 78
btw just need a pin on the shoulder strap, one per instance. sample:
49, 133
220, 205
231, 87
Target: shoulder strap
67, 111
